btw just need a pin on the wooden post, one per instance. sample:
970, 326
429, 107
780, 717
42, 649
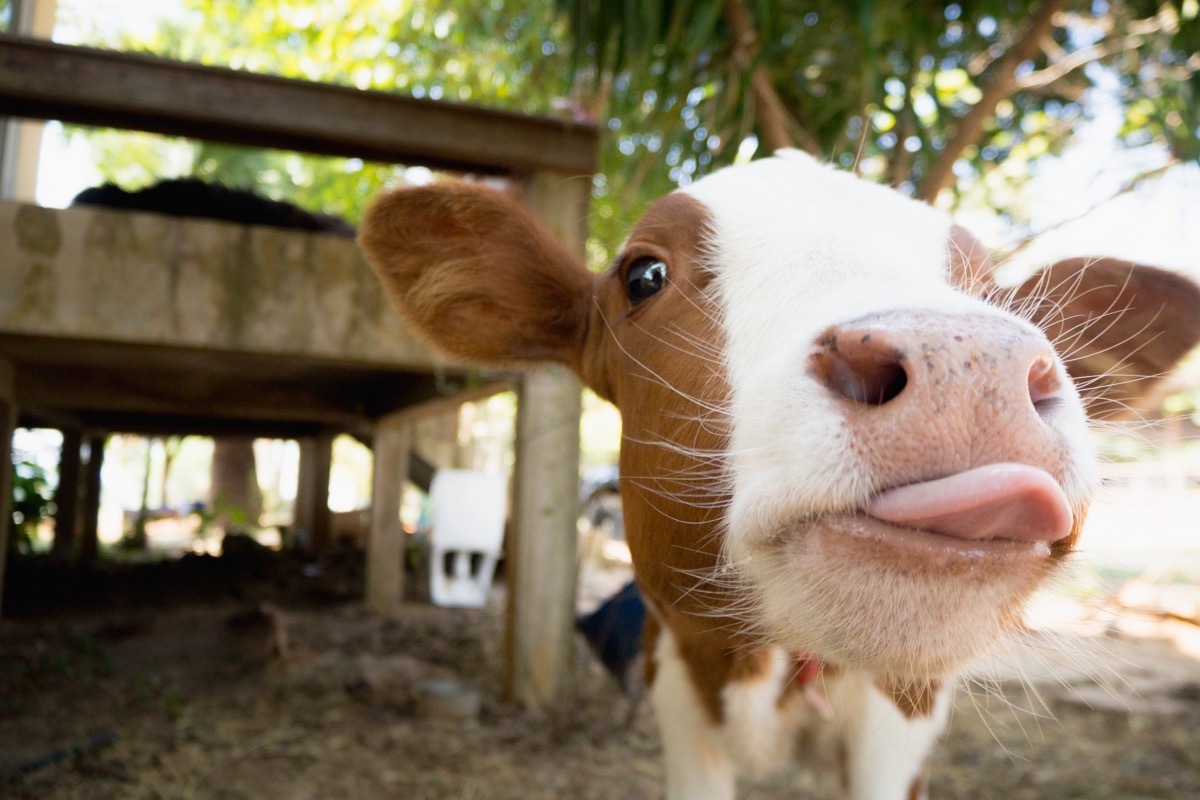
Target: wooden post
89, 536
436, 437
541, 550
8, 421
385, 545
312, 521
66, 498
21, 140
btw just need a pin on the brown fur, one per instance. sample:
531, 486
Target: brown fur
672, 503
535, 305
913, 698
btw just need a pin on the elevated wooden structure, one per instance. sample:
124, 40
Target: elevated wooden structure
118, 321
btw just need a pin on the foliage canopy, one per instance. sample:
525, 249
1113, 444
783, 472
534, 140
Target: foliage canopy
926, 96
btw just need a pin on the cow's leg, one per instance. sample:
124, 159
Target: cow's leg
888, 736
698, 764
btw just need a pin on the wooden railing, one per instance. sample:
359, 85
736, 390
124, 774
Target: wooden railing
45, 80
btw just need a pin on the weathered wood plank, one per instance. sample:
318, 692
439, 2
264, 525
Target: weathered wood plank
385, 545
541, 565
163, 390
44, 80
312, 518
541, 600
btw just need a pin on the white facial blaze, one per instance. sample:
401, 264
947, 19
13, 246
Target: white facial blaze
800, 246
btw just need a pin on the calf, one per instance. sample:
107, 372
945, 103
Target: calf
845, 465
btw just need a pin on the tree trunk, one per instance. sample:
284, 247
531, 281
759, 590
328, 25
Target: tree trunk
137, 537
171, 446
236, 500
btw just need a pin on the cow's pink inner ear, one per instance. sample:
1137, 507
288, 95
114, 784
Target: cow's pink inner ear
971, 264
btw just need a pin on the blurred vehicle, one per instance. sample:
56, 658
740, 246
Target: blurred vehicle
600, 501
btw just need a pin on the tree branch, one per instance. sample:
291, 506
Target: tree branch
777, 125
1001, 83
1005, 254
1067, 64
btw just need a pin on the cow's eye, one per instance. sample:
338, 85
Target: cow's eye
646, 277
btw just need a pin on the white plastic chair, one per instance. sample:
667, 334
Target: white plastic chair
467, 512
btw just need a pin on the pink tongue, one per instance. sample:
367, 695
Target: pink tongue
999, 501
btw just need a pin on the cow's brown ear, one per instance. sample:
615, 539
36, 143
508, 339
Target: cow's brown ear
476, 275
1120, 327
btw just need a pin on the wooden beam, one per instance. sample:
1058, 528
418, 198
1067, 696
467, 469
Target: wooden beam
149, 388
385, 545
486, 387
44, 80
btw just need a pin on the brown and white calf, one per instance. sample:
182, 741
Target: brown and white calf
844, 467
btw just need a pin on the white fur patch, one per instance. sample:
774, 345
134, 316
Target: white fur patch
799, 247
760, 731
886, 750
698, 765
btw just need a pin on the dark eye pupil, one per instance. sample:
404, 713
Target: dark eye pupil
647, 277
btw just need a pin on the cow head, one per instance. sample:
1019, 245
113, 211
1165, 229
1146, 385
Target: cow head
837, 435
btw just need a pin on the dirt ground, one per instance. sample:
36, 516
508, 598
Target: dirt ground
227, 692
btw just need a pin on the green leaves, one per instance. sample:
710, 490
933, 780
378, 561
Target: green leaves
878, 87
488, 53
32, 502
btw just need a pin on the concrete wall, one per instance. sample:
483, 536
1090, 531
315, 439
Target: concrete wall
136, 277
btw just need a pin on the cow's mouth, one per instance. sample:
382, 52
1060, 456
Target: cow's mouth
997, 502
856, 538
991, 514
919, 580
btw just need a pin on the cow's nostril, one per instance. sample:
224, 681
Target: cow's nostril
862, 372
1045, 386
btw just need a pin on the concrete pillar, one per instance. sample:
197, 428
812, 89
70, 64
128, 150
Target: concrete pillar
8, 421
542, 547
385, 545
66, 498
